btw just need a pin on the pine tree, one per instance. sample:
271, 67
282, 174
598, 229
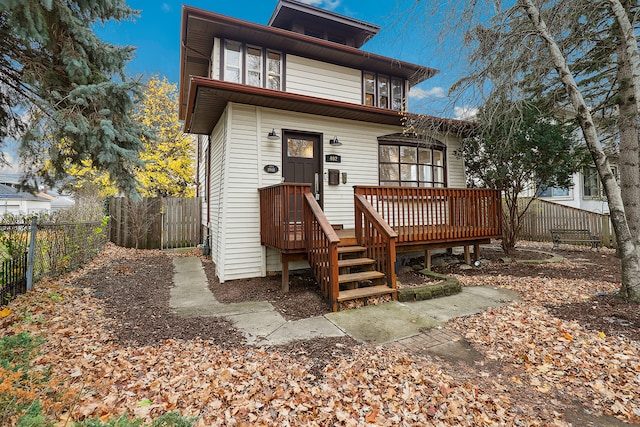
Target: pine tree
63, 93
167, 168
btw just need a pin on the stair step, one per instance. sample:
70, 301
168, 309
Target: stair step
370, 291
355, 262
350, 249
359, 277
347, 241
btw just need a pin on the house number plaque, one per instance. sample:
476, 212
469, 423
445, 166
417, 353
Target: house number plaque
333, 158
271, 169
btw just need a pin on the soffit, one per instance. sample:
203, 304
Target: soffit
208, 99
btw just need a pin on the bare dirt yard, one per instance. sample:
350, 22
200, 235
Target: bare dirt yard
568, 354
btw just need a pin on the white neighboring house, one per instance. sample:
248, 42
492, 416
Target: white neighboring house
13, 201
585, 193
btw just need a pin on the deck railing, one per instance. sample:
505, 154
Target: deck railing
437, 214
377, 236
281, 216
322, 249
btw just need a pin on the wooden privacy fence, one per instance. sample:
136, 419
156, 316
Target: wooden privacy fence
543, 216
155, 223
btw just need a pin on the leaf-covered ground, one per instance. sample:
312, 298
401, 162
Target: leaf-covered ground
114, 347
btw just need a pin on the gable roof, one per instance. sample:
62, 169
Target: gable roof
200, 27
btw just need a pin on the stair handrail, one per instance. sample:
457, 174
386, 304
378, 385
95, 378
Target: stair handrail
384, 251
322, 249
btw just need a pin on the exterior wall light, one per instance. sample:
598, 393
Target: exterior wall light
334, 141
273, 136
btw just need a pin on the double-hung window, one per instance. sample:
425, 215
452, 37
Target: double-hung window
232, 62
252, 65
410, 165
274, 70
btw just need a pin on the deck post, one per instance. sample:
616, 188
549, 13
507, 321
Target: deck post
467, 255
476, 251
285, 273
427, 259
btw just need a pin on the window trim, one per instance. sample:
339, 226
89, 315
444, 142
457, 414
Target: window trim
244, 72
600, 194
262, 64
418, 145
224, 62
376, 90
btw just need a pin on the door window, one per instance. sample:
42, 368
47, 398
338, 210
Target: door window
300, 148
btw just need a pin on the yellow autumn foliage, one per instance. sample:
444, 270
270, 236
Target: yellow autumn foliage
168, 157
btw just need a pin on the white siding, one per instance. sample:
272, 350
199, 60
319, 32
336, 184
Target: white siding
216, 193
320, 79
237, 172
243, 254
456, 177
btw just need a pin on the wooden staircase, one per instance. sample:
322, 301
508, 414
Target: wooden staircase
357, 277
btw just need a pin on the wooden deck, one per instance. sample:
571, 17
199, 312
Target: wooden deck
387, 219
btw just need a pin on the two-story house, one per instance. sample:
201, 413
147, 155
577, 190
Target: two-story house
303, 154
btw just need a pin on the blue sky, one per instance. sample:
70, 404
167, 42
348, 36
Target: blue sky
412, 38
156, 33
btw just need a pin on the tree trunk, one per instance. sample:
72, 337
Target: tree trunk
629, 249
629, 162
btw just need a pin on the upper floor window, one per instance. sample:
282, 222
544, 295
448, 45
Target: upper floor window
232, 62
274, 69
382, 91
254, 66
255, 60
411, 165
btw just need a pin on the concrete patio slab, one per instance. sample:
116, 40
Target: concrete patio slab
470, 301
380, 324
304, 329
256, 327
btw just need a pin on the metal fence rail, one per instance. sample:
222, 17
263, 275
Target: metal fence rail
13, 278
31, 251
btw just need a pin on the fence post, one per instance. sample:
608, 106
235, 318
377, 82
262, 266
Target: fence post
32, 252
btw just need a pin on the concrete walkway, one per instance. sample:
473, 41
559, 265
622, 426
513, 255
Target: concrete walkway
416, 326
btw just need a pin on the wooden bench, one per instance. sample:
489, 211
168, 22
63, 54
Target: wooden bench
576, 236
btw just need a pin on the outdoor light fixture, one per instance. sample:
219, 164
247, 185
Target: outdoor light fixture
273, 136
334, 141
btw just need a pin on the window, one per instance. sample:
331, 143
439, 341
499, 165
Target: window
256, 60
591, 184
411, 165
370, 89
382, 91
300, 148
254, 66
232, 62
274, 69
396, 94
554, 192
